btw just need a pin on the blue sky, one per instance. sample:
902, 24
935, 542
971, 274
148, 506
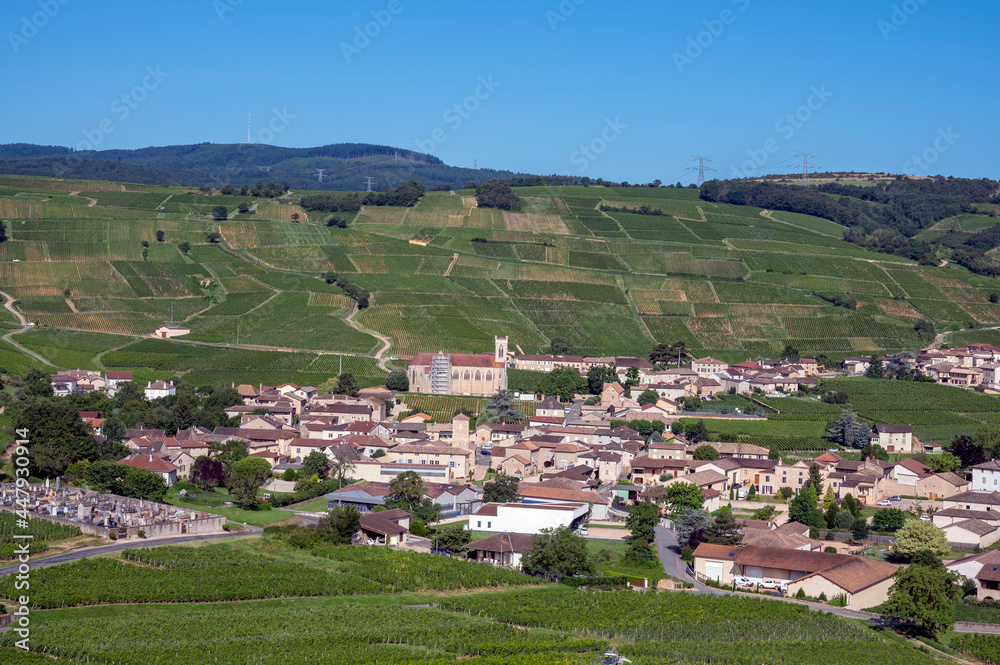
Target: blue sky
624, 91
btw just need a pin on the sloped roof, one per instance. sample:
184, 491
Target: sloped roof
535, 492
149, 462
457, 359
975, 526
503, 542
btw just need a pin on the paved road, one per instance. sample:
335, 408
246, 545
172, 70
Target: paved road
127, 545
9, 306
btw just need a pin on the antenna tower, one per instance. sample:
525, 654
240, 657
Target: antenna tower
701, 168
248, 128
805, 165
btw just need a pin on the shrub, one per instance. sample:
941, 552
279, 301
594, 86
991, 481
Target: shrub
687, 553
800, 594
822, 596
289, 475
418, 528
142, 533
830, 549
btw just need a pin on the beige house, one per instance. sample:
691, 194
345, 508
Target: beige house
941, 486
706, 367
170, 331
893, 438
458, 460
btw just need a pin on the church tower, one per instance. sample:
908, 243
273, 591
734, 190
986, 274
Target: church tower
500, 355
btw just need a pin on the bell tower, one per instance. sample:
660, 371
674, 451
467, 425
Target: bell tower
500, 353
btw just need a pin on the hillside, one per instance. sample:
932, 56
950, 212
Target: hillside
731, 281
345, 166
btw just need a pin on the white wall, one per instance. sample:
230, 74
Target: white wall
513, 519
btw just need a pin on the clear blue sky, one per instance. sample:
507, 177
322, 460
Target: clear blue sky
895, 80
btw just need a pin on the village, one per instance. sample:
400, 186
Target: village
572, 466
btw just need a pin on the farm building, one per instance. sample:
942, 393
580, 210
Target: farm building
167, 331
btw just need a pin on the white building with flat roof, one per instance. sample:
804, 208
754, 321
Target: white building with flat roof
526, 518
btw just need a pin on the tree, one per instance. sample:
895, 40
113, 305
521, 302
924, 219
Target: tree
689, 523
406, 491
565, 382
397, 381
765, 514
925, 593
844, 430
648, 396
341, 463
598, 376
666, 353
642, 520
213, 236
875, 369
844, 520
316, 464
681, 495
160, 236
815, 479
851, 505
182, 412
859, 530
561, 347
105, 476
804, 509
229, 452
705, 453
113, 429
58, 436
247, 477
829, 499
790, 352
724, 530
557, 553
208, 473
919, 535
874, 451
340, 525
888, 519
295, 216
969, 452
988, 438
220, 213
453, 536
632, 376
502, 489
504, 405
924, 328
939, 463
242, 207
144, 484
185, 247
347, 385
697, 433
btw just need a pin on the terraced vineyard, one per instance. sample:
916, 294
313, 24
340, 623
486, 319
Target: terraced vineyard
730, 281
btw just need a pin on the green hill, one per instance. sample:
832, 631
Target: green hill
732, 281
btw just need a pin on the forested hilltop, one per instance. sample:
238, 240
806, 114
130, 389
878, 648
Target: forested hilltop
925, 219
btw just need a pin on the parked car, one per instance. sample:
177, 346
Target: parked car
484, 452
895, 498
833, 450
743, 581
925, 518
441, 551
774, 584
885, 502
583, 531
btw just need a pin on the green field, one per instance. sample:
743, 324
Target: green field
733, 281
367, 605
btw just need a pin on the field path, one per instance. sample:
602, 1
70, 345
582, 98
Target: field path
253, 208
454, 260
9, 305
387, 342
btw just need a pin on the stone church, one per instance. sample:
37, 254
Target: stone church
460, 373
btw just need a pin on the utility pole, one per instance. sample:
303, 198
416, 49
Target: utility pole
701, 168
805, 165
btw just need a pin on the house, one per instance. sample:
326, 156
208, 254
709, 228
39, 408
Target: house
550, 407
384, 528
167, 331
893, 438
158, 389
972, 533
706, 367
736, 450
503, 549
860, 581
646, 470
986, 477
941, 485
907, 472
527, 518
612, 393
533, 494
453, 499
984, 569
157, 465
114, 378
706, 480
973, 500
457, 460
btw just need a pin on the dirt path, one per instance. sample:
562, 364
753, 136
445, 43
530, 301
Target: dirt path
454, 260
9, 305
72, 306
387, 343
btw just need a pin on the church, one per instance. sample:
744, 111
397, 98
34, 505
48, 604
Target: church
460, 373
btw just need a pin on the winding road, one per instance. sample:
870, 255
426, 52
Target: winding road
387, 343
9, 306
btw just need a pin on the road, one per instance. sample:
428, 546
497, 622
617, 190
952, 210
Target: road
669, 553
386, 342
9, 305
128, 545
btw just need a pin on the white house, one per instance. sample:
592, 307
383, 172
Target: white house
158, 389
893, 438
526, 518
986, 477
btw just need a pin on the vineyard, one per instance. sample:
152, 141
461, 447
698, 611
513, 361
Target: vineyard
984, 647
42, 531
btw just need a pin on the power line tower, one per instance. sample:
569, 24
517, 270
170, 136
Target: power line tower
475, 163
319, 174
805, 165
369, 182
248, 128
701, 168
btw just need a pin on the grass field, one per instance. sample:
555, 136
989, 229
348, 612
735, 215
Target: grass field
730, 281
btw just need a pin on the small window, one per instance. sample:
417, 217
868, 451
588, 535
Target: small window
479, 523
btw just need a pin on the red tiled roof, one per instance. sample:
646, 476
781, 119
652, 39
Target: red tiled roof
457, 360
